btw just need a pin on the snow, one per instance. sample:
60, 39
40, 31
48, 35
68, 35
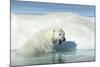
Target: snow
92, 19
77, 28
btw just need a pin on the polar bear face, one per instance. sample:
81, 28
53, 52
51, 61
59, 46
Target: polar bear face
59, 36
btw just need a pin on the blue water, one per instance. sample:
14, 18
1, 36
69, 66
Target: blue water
55, 57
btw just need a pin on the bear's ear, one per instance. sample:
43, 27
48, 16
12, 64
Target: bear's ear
53, 30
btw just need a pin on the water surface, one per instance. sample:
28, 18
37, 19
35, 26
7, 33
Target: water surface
55, 57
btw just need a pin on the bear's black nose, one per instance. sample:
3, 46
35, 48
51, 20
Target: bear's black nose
64, 39
60, 41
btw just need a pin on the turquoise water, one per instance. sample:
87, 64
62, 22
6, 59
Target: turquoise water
55, 57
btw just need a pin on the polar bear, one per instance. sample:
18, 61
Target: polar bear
43, 42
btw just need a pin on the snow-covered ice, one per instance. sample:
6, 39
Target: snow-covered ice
77, 28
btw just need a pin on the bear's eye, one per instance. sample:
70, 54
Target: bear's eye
60, 34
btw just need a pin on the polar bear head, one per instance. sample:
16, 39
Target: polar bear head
59, 36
